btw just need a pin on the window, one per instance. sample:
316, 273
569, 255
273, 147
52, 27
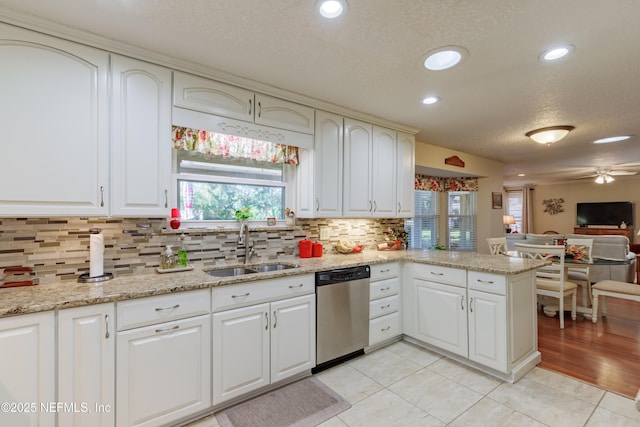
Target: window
213, 188
514, 207
461, 220
423, 228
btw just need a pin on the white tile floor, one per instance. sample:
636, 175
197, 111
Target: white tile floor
405, 385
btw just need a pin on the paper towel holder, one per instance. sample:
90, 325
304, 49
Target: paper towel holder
86, 277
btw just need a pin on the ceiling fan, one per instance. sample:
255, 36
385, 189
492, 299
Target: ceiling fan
605, 176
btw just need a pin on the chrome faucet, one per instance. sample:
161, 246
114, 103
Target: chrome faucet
243, 239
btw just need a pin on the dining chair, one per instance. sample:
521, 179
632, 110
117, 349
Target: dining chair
551, 279
580, 274
497, 245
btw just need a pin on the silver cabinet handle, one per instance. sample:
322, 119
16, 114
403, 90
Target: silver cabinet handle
436, 274
488, 282
385, 329
385, 289
241, 296
399, 207
385, 271
259, 109
375, 206
462, 302
101, 196
250, 106
266, 321
167, 329
168, 308
275, 319
471, 304
384, 307
317, 204
296, 286
106, 325
370, 206
166, 198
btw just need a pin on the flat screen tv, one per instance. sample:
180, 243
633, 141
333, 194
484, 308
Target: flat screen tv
604, 213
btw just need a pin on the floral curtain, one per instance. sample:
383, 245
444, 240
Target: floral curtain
439, 184
217, 144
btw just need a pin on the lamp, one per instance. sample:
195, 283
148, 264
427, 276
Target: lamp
175, 218
550, 134
508, 220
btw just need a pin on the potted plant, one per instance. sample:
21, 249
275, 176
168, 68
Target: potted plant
243, 214
396, 238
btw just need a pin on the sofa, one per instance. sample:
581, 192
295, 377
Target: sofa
611, 255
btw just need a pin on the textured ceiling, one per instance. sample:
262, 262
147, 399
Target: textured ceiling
369, 61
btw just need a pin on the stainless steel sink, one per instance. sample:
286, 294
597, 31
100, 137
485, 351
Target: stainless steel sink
231, 271
274, 267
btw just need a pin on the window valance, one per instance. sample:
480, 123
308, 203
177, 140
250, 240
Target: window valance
440, 184
217, 144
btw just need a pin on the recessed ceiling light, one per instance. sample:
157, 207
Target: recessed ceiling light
444, 58
611, 139
522, 174
331, 8
556, 53
430, 100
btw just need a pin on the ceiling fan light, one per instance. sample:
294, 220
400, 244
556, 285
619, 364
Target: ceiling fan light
549, 135
600, 179
608, 179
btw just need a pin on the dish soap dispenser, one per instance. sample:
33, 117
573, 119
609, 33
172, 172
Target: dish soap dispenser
182, 253
168, 259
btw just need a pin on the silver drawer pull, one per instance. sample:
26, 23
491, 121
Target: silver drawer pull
488, 282
436, 274
385, 329
385, 289
296, 286
385, 271
241, 296
106, 325
167, 329
168, 308
384, 307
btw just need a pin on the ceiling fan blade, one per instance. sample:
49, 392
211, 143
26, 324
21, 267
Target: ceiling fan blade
586, 176
622, 173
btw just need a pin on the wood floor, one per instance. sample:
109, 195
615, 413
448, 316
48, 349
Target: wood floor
606, 354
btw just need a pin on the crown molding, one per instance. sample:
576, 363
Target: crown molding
94, 40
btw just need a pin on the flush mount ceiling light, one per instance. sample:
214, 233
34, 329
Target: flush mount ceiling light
443, 58
550, 134
556, 53
331, 8
612, 139
430, 100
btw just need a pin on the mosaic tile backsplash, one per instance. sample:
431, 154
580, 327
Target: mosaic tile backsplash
58, 248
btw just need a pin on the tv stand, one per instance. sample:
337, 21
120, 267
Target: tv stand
606, 231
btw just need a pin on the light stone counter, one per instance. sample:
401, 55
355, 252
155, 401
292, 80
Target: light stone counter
51, 296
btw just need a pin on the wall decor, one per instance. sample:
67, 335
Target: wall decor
454, 161
553, 206
496, 200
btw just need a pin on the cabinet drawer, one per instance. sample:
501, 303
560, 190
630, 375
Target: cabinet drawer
488, 282
384, 271
435, 273
384, 328
384, 306
384, 288
240, 295
161, 308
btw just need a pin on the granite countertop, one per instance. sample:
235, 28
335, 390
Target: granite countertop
51, 296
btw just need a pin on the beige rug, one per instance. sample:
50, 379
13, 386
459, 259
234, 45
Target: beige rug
305, 403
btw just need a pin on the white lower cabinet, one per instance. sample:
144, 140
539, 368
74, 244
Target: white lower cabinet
27, 370
86, 365
163, 368
262, 344
488, 329
384, 303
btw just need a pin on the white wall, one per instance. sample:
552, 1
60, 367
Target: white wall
490, 174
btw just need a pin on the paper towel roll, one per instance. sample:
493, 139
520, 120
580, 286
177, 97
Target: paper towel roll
96, 255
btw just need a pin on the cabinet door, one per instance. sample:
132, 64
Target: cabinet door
488, 329
328, 165
86, 365
293, 336
240, 351
283, 114
27, 369
209, 96
53, 116
441, 312
357, 199
164, 372
405, 172
141, 138
383, 174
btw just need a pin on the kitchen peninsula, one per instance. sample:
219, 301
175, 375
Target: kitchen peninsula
475, 308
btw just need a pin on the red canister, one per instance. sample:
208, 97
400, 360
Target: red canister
316, 249
305, 248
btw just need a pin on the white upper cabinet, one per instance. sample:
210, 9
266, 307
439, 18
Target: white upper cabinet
54, 120
220, 99
140, 138
383, 174
357, 168
405, 173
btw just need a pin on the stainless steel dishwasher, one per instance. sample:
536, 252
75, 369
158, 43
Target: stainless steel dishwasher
342, 307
